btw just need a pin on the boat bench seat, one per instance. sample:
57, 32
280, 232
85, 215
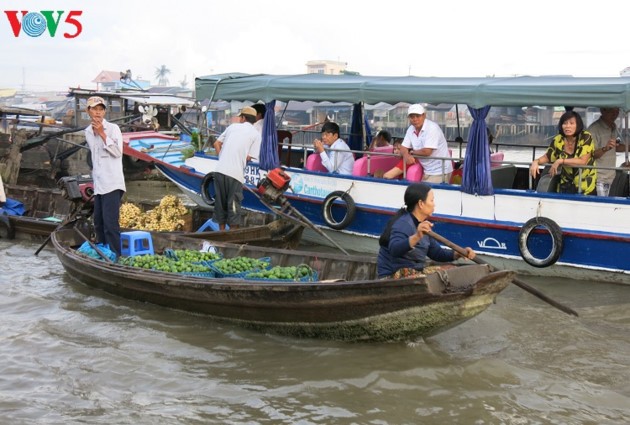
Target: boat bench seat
314, 163
369, 164
503, 176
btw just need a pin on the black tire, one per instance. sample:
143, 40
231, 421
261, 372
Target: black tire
556, 237
328, 205
6, 229
620, 185
205, 185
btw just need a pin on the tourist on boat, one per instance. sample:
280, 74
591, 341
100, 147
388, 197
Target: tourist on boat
404, 244
260, 116
381, 140
237, 145
334, 160
106, 146
424, 138
604, 132
572, 146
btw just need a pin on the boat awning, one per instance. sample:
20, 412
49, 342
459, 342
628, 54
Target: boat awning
475, 92
160, 100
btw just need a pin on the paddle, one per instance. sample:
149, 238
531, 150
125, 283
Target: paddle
71, 218
94, 247
515, 281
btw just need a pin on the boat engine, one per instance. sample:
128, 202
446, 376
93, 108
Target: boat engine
273, 185
77, 188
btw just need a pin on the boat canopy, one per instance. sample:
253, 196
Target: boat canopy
475, 92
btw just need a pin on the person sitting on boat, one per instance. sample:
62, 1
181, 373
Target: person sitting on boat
338, 159
383, 138
404, 244
604, 132
425, 139
379, 173
239, 143
572, 146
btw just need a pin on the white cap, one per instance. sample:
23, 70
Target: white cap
416, 108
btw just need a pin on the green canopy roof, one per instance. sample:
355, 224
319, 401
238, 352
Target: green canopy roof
475, 92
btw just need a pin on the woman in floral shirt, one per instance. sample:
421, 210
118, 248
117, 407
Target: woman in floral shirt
572, 146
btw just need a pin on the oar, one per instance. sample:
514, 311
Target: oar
516, 281
94, 247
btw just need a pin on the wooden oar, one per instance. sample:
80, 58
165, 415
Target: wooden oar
516, 281
94, 247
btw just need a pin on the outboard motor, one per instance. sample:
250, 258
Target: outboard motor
273, 185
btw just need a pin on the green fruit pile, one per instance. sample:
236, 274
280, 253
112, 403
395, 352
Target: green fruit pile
191, 255
236, 265
295, 273
164, 264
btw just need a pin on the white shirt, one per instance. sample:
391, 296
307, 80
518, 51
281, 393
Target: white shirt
239, 141
430, 136
602, 134
258, 125
3, 196
107, 168
338, 162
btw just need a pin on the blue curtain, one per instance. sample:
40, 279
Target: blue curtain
476, 177
355, 141
269, 147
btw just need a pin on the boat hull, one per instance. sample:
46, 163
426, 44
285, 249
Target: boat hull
362, 309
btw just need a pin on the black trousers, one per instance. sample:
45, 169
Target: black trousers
106, 216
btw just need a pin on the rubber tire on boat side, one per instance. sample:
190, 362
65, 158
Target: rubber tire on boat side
205, 183
6, 229
327, 209
557, 242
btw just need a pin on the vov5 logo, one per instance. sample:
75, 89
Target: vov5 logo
34, 24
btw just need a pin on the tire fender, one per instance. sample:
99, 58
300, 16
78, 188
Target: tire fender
205, 185
327, 209
6, 229
557, 242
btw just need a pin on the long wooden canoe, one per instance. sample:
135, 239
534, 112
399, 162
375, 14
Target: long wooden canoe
347, 302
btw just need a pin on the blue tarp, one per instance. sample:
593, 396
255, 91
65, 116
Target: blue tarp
12, 207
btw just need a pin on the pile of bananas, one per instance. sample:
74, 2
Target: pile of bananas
166, 217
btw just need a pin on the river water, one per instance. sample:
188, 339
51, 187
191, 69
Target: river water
76, 355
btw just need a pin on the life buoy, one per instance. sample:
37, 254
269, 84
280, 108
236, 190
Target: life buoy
556, 241
6, 229
328, 205
205, 185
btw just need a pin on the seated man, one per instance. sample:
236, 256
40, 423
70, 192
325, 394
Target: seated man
338, 159
425, 139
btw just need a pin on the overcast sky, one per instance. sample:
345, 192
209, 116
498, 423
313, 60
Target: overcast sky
443, 38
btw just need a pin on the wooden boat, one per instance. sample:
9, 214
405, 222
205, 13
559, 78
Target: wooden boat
46, 209
347, 302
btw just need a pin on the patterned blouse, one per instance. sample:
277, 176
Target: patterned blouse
570, 177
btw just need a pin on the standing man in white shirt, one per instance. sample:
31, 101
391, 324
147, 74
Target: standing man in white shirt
338, 159
106, 146
239, 143
424, 138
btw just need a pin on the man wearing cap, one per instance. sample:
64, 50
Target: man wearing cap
424, 138
239, 143
106, 146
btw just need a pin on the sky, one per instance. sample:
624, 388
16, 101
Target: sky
443, 38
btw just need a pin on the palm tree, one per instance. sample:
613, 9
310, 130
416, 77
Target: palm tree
161, 74
184, 82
